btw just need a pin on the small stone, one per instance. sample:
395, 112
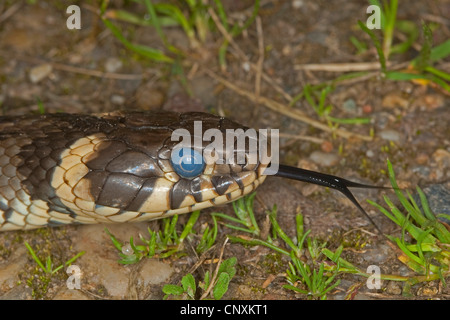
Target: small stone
117, 99
113, 64
394, 100
391, 135
430, 101
442, 158
370, 153
154, 272
149, 98
40, 72
421, 170
438, 197
287, 50
326, 146
426, 291
367, 108
324, 159
297, 4
349, 106
393, 288
422, 158
246, 66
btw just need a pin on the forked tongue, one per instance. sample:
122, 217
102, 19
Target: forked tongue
327, 180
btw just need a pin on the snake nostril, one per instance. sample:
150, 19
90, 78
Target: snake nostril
187, 162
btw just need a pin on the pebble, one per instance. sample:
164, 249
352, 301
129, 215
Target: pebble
113, 64
422, 158
117, 99
377, 255
438, 196
349, 106
370, 153
326, 146
149, 97
427, 291
393, 288
421, 170
442, 158
155, 272
297, 4
40, 72
391, 135
324, 159
394, 100
367, 108
246, 66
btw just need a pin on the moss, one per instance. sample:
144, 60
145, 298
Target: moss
356, 240
272, 263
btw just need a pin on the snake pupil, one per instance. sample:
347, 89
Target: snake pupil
187, 162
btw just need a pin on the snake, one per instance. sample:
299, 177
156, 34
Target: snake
61, 169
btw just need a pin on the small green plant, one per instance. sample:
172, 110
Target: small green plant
216, 284
162, 243
48, 267
316, 96
388, 21
165, 242
313, 275
208, 238
429, 254
421, 68
243, 208
192, 16
317, 280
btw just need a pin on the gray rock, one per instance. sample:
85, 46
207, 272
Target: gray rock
391, 135
324, 159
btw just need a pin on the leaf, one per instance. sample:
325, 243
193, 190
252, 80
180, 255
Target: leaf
221, 285
188, 283
173, 289
227, 266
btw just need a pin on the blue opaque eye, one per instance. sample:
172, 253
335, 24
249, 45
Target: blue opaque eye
187, 162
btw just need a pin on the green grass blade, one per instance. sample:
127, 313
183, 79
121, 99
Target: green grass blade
438, 73
150, 53
377, 45
189, 225
114, 240
440, 51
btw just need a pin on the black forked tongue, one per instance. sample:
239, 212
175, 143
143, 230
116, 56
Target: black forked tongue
327, 180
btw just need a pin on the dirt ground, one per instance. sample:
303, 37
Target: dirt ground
43, 64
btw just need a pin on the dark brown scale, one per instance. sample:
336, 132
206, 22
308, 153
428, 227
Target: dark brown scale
222, 183
119, 190
136, 163
108, 152
184, 188
143, 194
97, 179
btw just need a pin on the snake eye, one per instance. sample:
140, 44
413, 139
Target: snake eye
187, 162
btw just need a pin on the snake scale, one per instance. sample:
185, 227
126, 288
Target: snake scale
59, 169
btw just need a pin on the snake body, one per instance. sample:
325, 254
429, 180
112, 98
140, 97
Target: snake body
59, 169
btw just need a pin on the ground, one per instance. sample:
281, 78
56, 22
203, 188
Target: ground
45, 65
